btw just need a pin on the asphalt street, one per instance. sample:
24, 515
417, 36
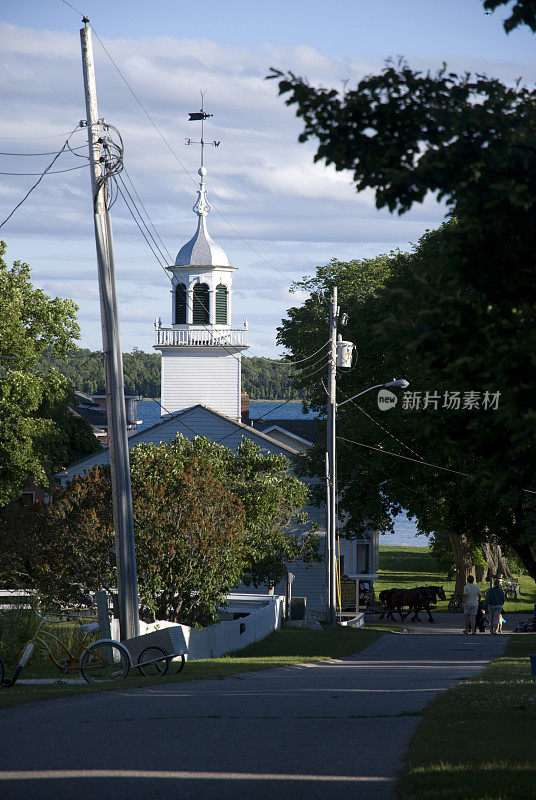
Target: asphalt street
335, 729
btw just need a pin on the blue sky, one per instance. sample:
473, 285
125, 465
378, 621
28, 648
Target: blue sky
277, 214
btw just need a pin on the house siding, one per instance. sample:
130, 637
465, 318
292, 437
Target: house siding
208, 377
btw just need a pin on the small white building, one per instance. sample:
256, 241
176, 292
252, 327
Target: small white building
201, 351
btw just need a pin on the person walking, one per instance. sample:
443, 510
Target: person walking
471, 597
495, 601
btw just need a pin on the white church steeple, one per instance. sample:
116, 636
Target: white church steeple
202, 249
201, 352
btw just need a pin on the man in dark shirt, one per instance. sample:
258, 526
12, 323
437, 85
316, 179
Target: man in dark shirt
495, 601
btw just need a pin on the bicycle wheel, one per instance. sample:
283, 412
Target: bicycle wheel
153, 661
105, 661
182, 663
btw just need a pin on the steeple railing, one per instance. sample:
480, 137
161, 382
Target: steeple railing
200, 337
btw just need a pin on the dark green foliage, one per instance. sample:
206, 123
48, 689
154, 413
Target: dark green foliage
523, 12
205, 518
467, 139
38, 432
262, 378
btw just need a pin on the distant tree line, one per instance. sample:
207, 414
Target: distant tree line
262, 378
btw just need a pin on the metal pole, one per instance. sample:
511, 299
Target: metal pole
328, 538
331, 450
113, 363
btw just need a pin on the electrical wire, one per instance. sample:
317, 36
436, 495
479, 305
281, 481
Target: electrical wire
385, 429
183, 167
147, 214
311, 356
32, 138
50, 153
74, 9
422, 463
36, 184
55, 172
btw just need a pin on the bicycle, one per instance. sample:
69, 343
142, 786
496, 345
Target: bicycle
98, 662
455, 605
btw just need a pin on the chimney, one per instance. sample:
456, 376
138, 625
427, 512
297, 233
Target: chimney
244, 408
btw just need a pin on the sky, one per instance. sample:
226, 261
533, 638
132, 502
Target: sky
276, 213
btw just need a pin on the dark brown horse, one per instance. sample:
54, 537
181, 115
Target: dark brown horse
421, 597
385, 599
428, 595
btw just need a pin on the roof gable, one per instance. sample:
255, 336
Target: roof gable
199, 420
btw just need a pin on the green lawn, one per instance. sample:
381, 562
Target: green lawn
477, 740
406, 567
281, 648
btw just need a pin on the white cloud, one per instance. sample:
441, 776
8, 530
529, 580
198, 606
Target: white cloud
263, 184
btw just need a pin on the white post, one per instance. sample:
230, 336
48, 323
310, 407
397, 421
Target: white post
331, 452
113, 363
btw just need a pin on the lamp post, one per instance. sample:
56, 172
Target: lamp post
331, 452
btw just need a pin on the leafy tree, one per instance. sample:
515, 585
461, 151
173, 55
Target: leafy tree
262, 378
469, 140
523, 12
412, 315
38, 434
205, 518
463, 316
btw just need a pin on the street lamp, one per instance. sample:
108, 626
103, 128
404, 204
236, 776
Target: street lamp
331, 452
394, 384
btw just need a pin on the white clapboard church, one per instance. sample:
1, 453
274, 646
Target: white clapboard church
201, 391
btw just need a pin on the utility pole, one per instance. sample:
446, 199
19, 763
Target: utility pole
331, 458
113, 361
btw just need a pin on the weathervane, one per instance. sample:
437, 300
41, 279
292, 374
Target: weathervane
202, 115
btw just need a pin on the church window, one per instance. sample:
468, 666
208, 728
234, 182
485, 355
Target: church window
201, 314
221, 304
180, 304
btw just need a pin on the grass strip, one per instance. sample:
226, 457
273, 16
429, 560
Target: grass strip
477, 739
406, 567
281, 648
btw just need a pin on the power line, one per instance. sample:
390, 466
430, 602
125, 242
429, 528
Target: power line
49, 153
310, 356
56, 171
183, 167
385, 429
422, 463
33, 138
36, 184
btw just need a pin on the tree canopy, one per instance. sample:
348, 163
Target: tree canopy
413, 316
205, 518
38, 432
262, 378
522, 12
467, 139
456, 314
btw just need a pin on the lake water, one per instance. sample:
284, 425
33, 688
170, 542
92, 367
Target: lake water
405, 531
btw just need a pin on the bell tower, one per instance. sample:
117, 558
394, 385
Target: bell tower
201, 351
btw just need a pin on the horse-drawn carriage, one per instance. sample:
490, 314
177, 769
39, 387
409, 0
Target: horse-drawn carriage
420, 598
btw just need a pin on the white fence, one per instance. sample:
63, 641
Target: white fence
224, 637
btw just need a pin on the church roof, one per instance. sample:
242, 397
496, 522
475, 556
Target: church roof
202, 250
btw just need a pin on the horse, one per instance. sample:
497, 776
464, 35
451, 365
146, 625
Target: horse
420, 597
427, 596
385, 599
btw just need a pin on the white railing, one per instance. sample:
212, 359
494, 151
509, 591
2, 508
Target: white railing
200, 337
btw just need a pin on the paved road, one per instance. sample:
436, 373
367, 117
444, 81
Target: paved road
329, 730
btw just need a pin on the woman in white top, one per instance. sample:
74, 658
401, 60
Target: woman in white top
471, 596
